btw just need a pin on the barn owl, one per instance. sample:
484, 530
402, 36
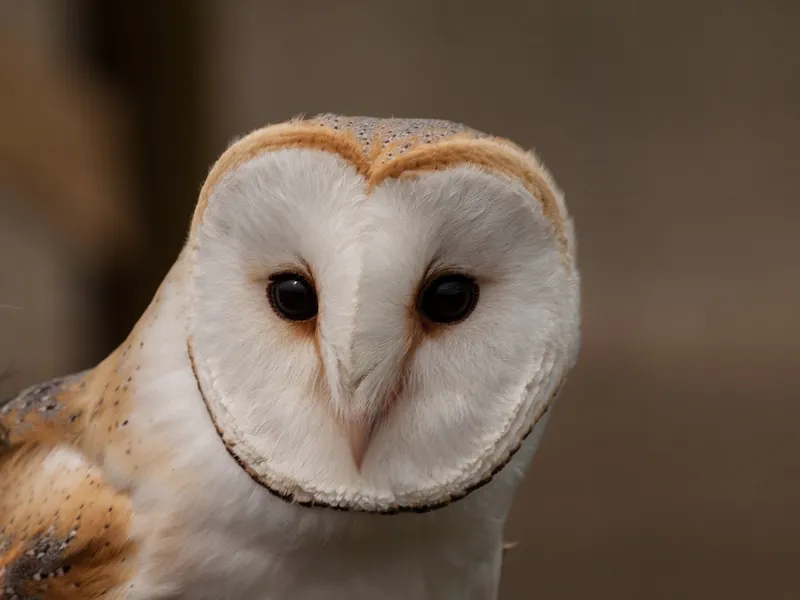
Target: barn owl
333, 394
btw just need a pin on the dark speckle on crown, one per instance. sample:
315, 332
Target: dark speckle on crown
384, 149
393, 136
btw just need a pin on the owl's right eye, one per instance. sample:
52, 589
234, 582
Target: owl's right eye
292, 297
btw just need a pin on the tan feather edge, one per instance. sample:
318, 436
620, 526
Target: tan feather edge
494, 154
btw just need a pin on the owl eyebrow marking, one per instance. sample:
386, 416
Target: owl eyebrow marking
424, 153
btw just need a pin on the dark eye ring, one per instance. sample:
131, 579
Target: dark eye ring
448, 299
292, 296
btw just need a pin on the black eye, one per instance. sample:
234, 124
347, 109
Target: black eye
448, 299
292, 297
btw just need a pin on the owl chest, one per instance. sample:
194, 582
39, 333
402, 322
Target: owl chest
343, 575
390, 565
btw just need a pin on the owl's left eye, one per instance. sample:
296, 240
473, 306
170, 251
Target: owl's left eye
448, 299
292, 297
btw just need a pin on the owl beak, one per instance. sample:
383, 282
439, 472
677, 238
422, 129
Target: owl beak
360, 432
359, 436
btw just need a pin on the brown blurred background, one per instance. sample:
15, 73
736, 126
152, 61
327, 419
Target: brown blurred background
671, 468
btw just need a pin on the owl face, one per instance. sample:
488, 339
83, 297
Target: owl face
377, 343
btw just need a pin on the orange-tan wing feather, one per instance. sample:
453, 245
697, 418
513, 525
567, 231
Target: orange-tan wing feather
63, 528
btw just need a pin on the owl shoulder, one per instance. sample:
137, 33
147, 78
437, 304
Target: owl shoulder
64, 531
46, 411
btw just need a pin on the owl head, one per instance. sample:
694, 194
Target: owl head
382, 309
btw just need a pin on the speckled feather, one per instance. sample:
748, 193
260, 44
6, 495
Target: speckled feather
386, 139
63, 528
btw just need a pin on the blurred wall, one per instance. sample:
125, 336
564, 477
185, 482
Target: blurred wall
66, 216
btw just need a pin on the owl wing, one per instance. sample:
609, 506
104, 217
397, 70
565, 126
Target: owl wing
63, 528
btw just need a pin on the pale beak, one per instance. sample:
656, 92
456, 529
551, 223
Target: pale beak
359, 436
360, 432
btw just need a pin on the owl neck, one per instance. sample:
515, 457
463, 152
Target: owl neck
255, 546
453, 553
